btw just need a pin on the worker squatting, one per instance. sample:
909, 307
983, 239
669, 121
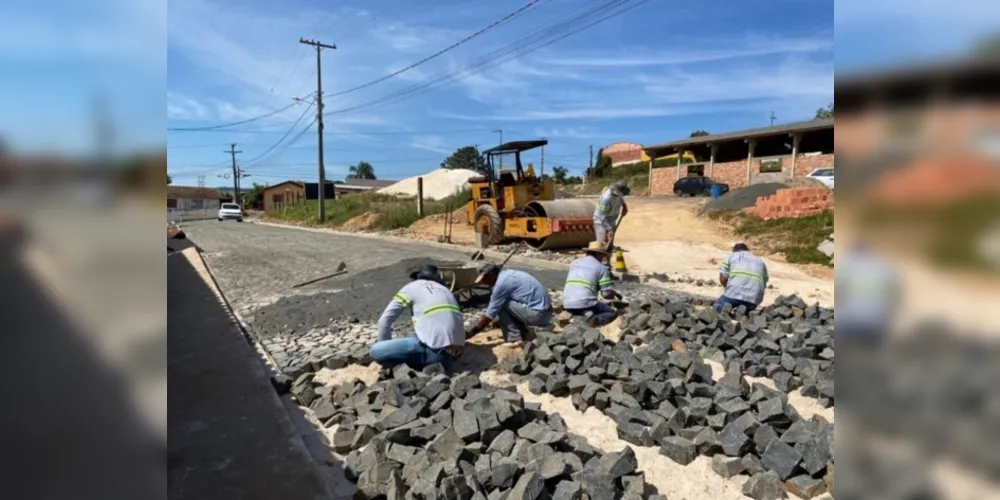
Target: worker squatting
519, 302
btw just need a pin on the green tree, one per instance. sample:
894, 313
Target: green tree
170, 180
363, 170
465, 158
826, 112
699, 133
559, 175
603, 165
255, 196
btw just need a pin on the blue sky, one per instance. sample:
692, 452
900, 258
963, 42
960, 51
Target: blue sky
652, 74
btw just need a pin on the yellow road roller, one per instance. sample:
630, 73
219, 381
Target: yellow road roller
515, 205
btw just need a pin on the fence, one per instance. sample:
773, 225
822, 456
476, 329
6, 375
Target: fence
181, 215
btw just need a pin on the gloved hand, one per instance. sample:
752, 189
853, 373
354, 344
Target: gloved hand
611, 237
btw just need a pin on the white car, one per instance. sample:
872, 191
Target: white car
231, 211
824, 175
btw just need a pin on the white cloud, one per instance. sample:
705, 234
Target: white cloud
569, 133
430, 143
704, 51
184, 108
793, 84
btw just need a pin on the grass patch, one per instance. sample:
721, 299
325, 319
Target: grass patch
392, 212
796, 239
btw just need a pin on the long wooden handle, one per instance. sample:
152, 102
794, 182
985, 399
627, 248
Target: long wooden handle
511, 254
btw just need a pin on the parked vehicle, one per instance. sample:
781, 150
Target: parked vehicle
696, 185
824, 175
230, 211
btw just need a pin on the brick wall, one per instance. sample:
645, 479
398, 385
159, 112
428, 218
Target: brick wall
663, 180
792, 203
733, 173
623, 152
806, 164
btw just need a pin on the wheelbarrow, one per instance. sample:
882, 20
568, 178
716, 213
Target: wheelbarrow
461, 278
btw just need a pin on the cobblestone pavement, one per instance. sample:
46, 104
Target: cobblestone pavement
331, 323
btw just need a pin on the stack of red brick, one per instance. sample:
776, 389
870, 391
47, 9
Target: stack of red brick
793, 202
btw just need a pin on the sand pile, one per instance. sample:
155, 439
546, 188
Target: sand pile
438, 184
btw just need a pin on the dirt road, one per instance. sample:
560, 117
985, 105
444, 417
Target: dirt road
664, 235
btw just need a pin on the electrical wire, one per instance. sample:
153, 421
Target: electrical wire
225, 125
539, 39
285, 135
492, 26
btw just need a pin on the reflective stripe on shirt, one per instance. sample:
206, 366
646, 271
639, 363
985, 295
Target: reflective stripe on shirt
586, 278
747, 275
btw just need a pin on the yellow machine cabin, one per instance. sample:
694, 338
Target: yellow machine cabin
515, 204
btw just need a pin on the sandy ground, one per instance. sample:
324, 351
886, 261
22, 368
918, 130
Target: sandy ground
664, 235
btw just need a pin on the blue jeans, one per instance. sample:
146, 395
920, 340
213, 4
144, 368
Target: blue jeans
409, 350
723, 300
603, 313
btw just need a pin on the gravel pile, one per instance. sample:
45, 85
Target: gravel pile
428, 435
741, 198
438, 184
657, 388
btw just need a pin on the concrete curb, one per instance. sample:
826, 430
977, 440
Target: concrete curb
493, 254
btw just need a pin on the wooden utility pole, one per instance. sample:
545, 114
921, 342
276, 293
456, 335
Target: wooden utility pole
543, 163
236, 176
773, 118
500, 131
319, 120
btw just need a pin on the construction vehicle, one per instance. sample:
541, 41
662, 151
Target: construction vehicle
514, 205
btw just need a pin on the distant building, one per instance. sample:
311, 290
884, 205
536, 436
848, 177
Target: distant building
290, 193
187, 202
745, 157
624, 153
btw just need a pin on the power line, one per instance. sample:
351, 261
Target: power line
224, 125
289, 131
525, 45
492, 25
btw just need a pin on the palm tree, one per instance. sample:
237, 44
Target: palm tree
363, 170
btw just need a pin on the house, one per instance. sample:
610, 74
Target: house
624, 153
187, 203
745, 157
282, 195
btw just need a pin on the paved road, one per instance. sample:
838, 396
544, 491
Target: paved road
256, 265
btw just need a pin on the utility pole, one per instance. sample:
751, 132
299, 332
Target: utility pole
500, 131
236, 176
319, 119
773, 118
543, 162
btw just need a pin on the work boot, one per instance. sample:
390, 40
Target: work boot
589, 318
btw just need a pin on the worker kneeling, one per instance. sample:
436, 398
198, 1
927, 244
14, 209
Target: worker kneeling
589, 275
744, 276
439, 332
518, 300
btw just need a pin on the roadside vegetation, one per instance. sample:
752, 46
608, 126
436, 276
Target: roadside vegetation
390, 211
796, 239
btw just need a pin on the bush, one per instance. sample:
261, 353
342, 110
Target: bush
393, 212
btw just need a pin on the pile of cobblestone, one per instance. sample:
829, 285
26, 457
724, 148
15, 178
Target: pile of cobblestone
431, 435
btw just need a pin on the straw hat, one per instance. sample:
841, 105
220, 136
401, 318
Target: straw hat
596, 247
484, 268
